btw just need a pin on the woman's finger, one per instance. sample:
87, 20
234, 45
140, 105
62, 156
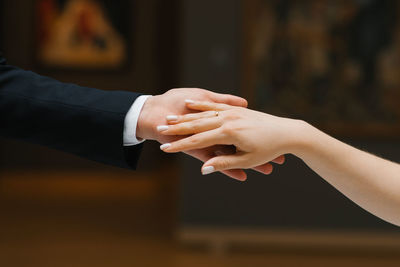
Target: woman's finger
174, 119
225, 162
191, 127
206, 106
265, 168
197, 141
210, 152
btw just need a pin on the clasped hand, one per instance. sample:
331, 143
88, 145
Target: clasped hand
157, 111
259, 138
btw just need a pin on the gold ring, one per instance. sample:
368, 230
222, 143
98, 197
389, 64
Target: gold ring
216, 113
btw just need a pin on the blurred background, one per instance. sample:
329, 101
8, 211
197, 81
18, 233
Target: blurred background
335, 64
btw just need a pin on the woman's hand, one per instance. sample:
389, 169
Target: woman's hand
258, 137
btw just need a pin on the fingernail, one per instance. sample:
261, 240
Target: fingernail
161, 128
172, 118
165, 146
189, 101
208, 170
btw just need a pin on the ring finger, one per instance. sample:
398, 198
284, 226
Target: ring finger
191, 127
174, 119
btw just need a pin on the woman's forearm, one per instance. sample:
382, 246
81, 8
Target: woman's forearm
371, 182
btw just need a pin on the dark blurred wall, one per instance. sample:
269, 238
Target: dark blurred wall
152, 71
293, 196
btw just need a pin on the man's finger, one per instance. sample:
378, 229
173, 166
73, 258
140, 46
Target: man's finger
206, 106
174, 119
229, 99
191, 127
266, 168
279, 160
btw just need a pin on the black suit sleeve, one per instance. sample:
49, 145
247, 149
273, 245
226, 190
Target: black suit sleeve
83, 121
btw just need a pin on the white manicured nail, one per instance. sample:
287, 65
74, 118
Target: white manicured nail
165, 146
172, 118
208, 170
161, 128
189, 101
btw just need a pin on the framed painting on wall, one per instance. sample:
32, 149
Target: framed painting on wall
83, 34
335, 64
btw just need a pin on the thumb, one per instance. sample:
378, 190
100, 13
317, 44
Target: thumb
223, 163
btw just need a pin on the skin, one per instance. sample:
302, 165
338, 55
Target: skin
156, 109
371, 182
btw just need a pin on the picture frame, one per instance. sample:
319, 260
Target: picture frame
83, 35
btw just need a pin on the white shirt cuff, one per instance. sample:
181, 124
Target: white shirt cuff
131, 120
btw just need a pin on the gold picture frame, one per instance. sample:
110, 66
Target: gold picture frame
83, 34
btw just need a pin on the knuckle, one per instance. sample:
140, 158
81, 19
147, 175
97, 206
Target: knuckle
234, 114
201, 92
227, 115
193, 140
187, 128
228, 129
223, 164
183, 126
183, 129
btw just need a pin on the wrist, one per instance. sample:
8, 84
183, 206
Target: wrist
304, 138
144, 129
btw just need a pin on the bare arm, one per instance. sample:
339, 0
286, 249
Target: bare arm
371, 182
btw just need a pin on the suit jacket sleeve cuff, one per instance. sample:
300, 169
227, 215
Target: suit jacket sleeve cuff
131, 120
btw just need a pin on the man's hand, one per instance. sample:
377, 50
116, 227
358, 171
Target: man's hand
156, 109
172, 102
